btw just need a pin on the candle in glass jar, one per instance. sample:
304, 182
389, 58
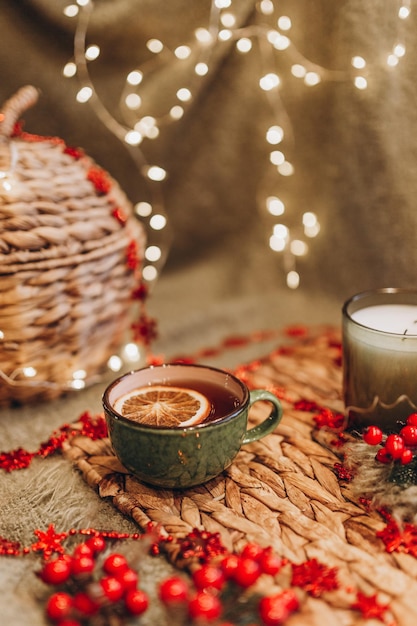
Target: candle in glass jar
380, 357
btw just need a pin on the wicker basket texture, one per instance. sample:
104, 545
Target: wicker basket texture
65, 284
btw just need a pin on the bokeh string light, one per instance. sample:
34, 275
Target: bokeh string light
271, 31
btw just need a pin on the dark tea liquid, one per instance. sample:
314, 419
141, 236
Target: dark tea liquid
222, 400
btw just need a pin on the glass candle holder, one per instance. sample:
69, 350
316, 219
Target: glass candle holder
380, 358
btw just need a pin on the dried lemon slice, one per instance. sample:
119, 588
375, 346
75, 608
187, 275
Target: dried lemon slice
160, 405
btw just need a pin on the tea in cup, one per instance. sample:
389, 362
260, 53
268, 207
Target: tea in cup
179, 425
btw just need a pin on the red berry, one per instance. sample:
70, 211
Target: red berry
112, 588
412, 419
96, 544
247, 573
129, 579
270, 563
208, 576
409, 435
82, 549
59, 605
372, 435
204, 606
382, 456
173, 590
69, 622
57, 571
394, 446
289, 597
274, 610
82, 565
84, 604
252, 551
114, 564
136, 601
229, 565
406, 457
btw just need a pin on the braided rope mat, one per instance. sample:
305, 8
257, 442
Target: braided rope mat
281, 491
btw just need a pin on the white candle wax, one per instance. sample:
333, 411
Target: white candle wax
390, 318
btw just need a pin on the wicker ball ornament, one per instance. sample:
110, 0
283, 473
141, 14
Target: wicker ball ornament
70, 257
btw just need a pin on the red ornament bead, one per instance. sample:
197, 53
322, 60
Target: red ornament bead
252, 551
82, 565
69, 622
247, 572
229, 565
136, 601
406, 457
409, 435
83, 550
96, 544
270, 563
394, 446
289, 597
115, 564
112, 588
129, 578
173, 590
383, 456
274, 610
84, 604
204, 606
372, 435
208, 577
412, 419
57, 571
59, 605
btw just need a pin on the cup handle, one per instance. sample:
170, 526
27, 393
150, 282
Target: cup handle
270, 423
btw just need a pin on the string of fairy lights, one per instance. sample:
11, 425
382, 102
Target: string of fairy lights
272, 32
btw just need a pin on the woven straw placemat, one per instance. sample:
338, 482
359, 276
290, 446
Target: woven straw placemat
282, 491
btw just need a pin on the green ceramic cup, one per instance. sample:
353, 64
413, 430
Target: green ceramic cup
179, 458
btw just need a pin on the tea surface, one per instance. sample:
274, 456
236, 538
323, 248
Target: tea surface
180, 404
